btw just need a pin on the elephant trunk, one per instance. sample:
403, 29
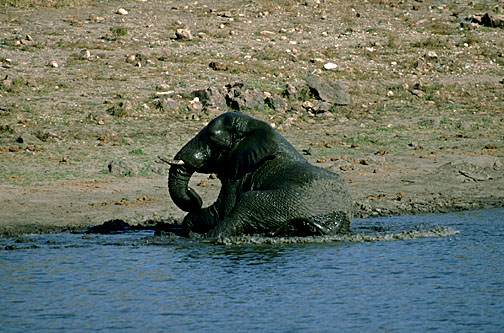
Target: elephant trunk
178, 185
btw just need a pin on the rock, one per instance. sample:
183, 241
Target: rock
183, 34
6, 63
122, 11
317, 107
211, 97
417, 93
376, 159
492, 20
121, 109
341, 165
308, 105
85, 54
27, 138
158, 168
123, 167
276, 103
217, 66
137, 59
167, 104
195, 104
332, 92
330, 66
430, 122
244, 99
235, 84
94, 18
53, 64
109, 227
431, 55
7, 83
290, 91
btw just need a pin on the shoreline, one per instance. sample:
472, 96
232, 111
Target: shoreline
408, 189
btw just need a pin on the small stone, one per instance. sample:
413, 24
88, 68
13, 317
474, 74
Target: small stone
307, 105
132, 59
290, 91
27, 138
418, 93
390, 93
29, 38
211, 97
321, 159
94, 18
122, 11
346, 168
217, 66
330, 66
123, 167
85, 54
267, 33
53, 64
163, 87
167, 104
195, 104
183, 34
202, 183
431, 55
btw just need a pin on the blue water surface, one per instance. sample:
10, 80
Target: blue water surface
84, 283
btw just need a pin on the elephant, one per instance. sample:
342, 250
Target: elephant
267, 186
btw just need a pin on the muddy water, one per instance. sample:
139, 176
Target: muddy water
136, 282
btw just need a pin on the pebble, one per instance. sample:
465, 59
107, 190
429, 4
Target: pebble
418, 93
195, 104
330, 66
53, 64
431, 55
183, 34
122, 11
85, 54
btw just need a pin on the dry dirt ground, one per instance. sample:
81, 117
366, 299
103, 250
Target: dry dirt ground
86, 86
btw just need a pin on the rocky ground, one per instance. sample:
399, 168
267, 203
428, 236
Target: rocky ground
404, 99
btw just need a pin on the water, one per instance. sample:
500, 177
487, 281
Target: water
80, 283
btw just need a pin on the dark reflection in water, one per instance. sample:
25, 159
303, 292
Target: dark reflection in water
116, 283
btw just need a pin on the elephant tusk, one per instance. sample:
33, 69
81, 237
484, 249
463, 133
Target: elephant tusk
171, 162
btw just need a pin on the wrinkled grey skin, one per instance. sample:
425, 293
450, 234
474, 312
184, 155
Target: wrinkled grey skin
267, 186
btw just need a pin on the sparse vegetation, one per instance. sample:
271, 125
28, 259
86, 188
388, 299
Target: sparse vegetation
44, 3
119, 31
89, 85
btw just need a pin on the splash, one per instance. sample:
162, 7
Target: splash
439, 231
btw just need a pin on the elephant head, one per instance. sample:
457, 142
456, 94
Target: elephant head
231, 145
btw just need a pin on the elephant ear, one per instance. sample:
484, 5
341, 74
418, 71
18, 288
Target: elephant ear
258, 143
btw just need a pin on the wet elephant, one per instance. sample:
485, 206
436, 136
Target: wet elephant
268, 187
